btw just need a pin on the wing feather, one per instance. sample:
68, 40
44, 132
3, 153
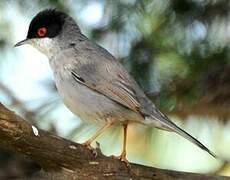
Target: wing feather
114, 89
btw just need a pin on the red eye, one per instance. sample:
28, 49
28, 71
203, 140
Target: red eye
41, 32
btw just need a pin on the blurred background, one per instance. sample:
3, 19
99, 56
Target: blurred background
178, 51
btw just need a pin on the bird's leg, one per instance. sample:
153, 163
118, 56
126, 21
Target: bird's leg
98, 133
122, 157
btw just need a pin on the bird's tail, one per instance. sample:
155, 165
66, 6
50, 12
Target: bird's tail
163, 122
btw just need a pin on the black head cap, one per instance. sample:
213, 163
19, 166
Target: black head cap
47, 23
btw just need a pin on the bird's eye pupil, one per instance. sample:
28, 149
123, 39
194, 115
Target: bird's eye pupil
41, 32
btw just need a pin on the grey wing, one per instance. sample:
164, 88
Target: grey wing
108, 79
101, 72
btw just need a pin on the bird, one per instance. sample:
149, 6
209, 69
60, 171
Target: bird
92, 83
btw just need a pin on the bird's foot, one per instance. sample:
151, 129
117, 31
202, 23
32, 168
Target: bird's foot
87, 144
123, 159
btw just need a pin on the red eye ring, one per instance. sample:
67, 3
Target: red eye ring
41, 32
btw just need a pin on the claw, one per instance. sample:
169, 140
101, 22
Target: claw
90, 148
123, 159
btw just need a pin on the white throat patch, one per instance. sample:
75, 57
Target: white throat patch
46, 45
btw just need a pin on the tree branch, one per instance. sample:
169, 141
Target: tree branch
64, 159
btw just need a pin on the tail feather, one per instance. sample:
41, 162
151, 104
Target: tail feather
187, 136
169, 125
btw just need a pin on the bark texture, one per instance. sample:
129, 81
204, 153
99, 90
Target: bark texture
63, 159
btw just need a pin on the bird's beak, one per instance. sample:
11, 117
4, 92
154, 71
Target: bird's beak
25, 41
